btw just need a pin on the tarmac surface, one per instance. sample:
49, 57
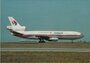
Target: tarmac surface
45, 49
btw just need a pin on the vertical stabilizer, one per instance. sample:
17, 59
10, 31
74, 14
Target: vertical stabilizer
15, 25
13, 22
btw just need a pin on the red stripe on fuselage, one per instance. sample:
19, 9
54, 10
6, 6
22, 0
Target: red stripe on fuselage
47, 35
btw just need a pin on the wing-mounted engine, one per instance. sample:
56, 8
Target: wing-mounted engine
53, 39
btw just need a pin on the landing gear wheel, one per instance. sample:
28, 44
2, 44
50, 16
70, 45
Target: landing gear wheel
41, 41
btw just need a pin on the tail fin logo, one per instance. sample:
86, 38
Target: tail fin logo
14, 22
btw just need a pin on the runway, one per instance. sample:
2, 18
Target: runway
45, 49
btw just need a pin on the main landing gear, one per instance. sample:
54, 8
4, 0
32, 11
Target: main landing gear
41, 40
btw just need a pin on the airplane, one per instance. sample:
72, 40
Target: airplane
20, 31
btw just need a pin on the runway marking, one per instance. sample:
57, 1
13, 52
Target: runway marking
46, 49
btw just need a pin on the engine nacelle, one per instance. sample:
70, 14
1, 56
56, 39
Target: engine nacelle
53, 39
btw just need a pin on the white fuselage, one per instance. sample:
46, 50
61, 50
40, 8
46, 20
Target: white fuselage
50, 33
17, 30
53, 34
